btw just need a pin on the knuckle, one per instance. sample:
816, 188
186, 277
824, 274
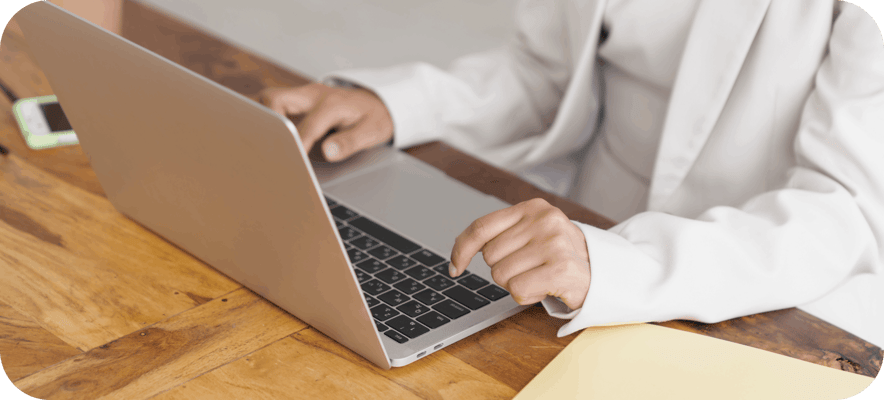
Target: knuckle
499, 276
477, 228
537, 202
489, 257
517, 286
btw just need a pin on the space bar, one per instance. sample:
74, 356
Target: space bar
385, 235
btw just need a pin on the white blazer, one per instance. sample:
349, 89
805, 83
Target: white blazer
768, 188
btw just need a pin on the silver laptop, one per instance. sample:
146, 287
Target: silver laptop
358, 250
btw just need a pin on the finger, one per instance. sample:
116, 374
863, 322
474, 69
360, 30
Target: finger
327, 115
551, 279
535, 284
347, 142
520, 261
480, 232
531, 286
507, 242
292, 101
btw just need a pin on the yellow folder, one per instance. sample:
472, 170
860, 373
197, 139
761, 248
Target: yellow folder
645, 361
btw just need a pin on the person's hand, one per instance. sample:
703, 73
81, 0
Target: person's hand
534, 251
358, 116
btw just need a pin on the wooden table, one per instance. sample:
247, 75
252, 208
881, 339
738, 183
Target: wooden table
92, 304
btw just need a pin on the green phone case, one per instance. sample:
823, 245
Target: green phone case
39, 142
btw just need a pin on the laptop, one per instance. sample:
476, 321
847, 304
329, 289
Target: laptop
358, 250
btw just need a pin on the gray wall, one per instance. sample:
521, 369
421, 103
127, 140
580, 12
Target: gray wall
315, 36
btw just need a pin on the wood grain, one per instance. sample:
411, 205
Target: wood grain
308, 365
151, 360
25, 347
84, 271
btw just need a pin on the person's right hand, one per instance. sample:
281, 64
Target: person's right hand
358, 116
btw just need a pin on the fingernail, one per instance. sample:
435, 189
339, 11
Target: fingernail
451, 270
331, 150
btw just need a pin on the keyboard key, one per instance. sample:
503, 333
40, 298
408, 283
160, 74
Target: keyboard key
331, 203
371, 301
390, 276
410, 286
473, 282
364, 242
348, 233
375, 287
439, 283
356, 256
466, 297
385, 235
382, 252
362, 276
451, 309
381, 327
427, 258
420, 273
383, 313
371, 265
396, 336
401, 262
407, 327
433, 320
494, 292
394, 298
429, 297
343, 213
413, 309
443, 269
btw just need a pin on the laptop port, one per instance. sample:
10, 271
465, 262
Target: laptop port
421, 354
438, 346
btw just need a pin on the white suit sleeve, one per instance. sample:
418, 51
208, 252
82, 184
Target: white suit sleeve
780, 249
482, 100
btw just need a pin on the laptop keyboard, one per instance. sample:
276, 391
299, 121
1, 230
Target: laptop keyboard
407, 287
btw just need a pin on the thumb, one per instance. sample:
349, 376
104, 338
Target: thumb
345, 143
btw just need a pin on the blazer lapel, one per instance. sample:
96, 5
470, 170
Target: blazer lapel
720, 38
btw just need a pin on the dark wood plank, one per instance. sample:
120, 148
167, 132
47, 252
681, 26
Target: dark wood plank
154, 359
796, 334
26, 347
23, 77
202, 53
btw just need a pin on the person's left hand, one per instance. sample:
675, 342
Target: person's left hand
534, 251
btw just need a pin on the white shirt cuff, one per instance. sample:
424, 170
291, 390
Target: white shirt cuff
608, 301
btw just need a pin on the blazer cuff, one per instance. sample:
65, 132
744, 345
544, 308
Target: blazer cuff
612, 289
401, 90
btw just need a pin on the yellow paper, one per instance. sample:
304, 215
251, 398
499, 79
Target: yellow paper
652, 362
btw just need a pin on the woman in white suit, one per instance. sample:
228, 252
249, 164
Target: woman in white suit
739, 143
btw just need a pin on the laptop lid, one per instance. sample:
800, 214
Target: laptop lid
219, 175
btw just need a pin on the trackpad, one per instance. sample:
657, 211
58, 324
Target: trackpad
415, 199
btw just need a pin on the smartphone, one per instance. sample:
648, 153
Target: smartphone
43, 123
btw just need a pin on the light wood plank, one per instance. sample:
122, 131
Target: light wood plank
309, 365
26, 347
84, 271
162, 356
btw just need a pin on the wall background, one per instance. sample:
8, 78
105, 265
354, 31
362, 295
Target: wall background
318, 36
